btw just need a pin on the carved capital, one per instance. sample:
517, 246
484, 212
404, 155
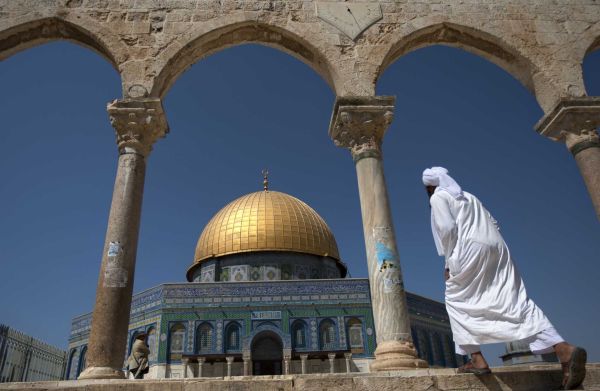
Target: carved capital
573, 120
138, 124
583, 140
359, 123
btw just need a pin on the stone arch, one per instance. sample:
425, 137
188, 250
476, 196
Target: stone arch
266, 350
210, 38
285, 338
474, 41
25, 33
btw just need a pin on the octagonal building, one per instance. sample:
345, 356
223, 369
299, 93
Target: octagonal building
267, 294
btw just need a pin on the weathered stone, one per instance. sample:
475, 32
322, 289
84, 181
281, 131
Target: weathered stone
358, 124
575, 121
138, 124
349, 43
518, 378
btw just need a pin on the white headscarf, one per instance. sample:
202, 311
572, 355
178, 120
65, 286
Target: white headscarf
438, 176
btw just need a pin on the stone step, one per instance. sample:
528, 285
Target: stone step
516, 378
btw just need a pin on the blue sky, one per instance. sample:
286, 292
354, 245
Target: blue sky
251, 107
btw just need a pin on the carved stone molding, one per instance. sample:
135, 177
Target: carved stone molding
573, 120
138, 124
359, 123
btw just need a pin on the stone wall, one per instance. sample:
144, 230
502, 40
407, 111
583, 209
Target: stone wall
522, 379
151, 42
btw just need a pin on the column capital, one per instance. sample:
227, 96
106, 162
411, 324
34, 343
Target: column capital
303, 357
138, 124
201, 360
331, 356
358, 123
574, 121
229, 359
348, 356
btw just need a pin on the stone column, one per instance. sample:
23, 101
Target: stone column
287, 356
358, 124
229, 363
247, 364
348, 357
574, 121
331, 357
138, 125
201, 361
303, 358
185, 362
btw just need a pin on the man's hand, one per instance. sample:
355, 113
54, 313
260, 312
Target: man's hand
446, 274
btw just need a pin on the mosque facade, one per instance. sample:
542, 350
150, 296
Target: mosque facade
267, 294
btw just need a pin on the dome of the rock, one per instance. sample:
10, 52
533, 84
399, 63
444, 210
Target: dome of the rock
270, 223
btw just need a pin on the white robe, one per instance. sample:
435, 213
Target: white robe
486, 299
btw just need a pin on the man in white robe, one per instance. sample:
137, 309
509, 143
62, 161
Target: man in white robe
486, 299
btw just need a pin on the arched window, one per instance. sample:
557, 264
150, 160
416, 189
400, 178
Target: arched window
176, 338
151, 340
355, 334
204, 339
299, 334
232, 336
327, 334
82, 361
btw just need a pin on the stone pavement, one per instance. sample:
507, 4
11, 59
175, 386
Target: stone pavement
522, 378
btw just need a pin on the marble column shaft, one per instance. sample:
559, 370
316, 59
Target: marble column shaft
138, 124
303, 358
201, 361
358, 124
185, 363
229, 364
575, 121
348, 357
331, 357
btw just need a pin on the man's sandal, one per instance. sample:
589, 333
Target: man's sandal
470, 368
574, 369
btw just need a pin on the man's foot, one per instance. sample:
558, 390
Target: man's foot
573, 367
470, 368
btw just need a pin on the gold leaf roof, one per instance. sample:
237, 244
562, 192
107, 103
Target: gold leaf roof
266, 221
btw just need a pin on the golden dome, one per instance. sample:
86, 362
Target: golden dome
265, 221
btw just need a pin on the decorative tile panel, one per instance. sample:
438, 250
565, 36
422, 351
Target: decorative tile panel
239, 273
271, 273
256, 273
208, 273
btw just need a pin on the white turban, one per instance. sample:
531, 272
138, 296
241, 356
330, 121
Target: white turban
438, 176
